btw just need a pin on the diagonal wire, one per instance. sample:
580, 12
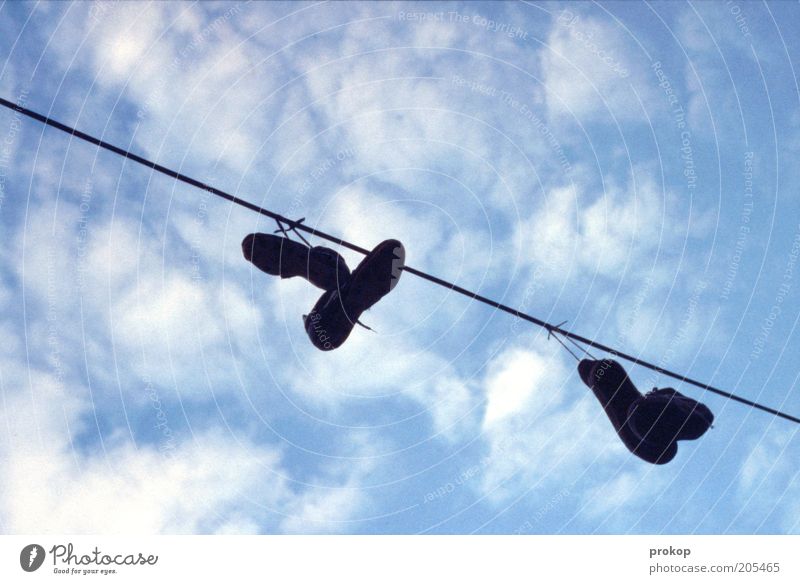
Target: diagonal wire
297, 226
560, 342
588, 354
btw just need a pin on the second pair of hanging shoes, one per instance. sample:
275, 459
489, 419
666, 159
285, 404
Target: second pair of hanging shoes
649, 425
347, 294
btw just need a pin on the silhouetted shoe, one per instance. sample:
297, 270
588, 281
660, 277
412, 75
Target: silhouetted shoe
668, 415
337, 311
616, 393
283, 257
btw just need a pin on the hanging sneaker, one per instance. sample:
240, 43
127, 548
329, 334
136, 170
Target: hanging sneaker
283, 257
668, 415
616, 393
337, 311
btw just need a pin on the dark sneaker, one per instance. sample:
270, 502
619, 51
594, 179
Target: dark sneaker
283, 257
616, 393
337, 311
668, 415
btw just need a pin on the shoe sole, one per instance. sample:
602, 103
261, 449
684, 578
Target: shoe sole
371, 290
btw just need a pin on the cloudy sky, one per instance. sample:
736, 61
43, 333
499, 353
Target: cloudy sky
628, 168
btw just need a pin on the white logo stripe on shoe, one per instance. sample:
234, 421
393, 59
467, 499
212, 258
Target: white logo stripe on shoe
398, 262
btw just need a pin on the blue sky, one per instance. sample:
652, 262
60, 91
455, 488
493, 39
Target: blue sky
628, 167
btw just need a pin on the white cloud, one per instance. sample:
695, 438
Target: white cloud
398, 369
719, 69
213, 482
116, 283
174, 309
590, 71
177, 323
452, 403
769, 482
42, 258
630, 490
171, 62
540, 423
50, 486
615, 235
322, 511
513, 379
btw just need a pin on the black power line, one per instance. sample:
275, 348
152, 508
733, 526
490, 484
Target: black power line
297, 225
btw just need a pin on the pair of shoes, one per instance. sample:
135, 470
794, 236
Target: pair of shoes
347, 295
649, 425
